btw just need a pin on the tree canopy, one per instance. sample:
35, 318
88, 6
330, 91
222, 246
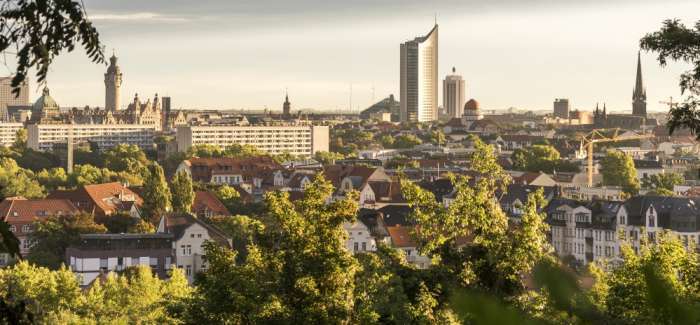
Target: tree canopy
618, 170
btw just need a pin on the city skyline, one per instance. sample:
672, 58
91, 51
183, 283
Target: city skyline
571, 51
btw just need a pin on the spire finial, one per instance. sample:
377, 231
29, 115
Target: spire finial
453, 69
436, 18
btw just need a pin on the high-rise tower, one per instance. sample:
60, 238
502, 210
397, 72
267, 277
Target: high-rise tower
286, 107
453, 95
419, 78
113, 80
639, 94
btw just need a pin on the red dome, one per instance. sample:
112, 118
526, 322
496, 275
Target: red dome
471, 105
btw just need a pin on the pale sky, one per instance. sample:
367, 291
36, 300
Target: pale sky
243, 54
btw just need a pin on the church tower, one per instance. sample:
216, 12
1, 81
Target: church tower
113, 80
286, 107
639, 94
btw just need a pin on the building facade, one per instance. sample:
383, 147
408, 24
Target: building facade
100, 254
8, 132
561, 108
44, 136
418, 78
297, 140
8, 98
453, 95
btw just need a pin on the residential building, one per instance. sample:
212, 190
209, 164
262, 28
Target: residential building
419, 78
8, 132
561, 108
44, 136
20, 213
96, 255
453, 95
402, 239
189, 235
375, 187
206, 204
296, 140
103, 200
246, 173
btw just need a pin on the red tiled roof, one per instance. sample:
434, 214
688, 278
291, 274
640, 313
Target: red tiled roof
102, 195
207, 201
401, 236
21, 210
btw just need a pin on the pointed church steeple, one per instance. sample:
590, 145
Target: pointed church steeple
639, 94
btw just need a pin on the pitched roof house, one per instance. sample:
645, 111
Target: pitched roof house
20, 213
206, 204
103, 199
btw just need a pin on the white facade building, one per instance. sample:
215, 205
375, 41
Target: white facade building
453, 95
8, 133
296, 140
44, 136
419, 78
360, 239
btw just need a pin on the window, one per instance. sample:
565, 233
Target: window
651, 221
168, 262
354, 248
184, 252
26, 243
622, 220
13, 228
188, 270
103, 264
364, 246
26, 228
199, 235
188, 250
191, 235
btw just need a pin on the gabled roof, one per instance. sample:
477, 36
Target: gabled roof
207, 201
401, 236
177, 224
21, 210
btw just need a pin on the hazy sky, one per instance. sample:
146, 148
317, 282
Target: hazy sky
243, 54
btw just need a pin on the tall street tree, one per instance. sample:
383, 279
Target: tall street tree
182, 192
156, 194
618, 169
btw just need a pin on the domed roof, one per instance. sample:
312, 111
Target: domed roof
471, 105
45, 101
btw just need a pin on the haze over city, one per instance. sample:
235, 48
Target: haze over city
243, 55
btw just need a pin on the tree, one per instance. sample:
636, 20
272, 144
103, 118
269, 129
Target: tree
536, 158
40, 31
303, 275
437, 137
676, 42
618, 170
182, 192
657, 286
497, 255
156, 194
17, 181
126, 157
52, 235
406, 141
328, 158
20, 140
53, 178
662, 184
54, 297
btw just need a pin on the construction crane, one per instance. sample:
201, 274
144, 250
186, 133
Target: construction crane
671, 104
601, 136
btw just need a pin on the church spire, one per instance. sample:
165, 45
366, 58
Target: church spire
639, 91
639, 94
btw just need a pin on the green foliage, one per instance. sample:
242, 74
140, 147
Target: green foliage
124, 223
17, 181
438, 138
52, 235
20, 143
305, 277
401, 162
662, 183
328, 158
126, 157
53, 178
676, 42
406, 141
182, 192
618, 170
54, 297
541, 158
156, 194
40, 31
9, 244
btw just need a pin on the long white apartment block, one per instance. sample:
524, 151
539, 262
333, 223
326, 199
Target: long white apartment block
8, 133
44, 136
297, 140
